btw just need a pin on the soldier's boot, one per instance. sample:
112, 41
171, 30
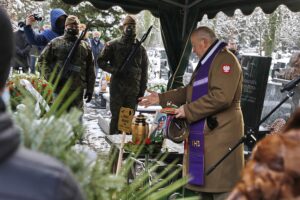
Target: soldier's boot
113, 126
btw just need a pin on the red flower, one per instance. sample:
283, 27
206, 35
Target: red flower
148, 141
44, 85
137, 142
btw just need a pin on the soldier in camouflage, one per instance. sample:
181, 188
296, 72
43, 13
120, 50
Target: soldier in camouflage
130, 84
81, 68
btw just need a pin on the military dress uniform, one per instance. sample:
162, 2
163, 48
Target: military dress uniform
223, 103
81, 68
126, 87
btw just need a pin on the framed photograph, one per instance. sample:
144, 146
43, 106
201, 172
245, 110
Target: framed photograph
157, 134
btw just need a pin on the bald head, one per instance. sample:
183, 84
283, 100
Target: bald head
203, 32
202, 38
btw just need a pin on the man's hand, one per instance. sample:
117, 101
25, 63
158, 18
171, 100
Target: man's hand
179, 113
149, 100
30, 20
88, 96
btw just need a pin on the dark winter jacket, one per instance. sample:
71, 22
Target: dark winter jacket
28, 175
22, 50
47, 35
96, 49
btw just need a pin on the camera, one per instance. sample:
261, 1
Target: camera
37, 17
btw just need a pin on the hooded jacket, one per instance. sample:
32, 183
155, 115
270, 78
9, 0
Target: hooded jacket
28, 175
49, 34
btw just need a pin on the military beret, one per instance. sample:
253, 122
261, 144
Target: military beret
129, 20
71, 19
162, 118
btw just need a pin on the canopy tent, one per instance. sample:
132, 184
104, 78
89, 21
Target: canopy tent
179, 17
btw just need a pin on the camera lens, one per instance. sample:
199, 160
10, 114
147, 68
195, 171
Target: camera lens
37, 17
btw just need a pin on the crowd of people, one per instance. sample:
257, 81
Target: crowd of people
31, 39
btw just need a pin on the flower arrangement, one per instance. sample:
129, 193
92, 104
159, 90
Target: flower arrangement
17, 90
144, 147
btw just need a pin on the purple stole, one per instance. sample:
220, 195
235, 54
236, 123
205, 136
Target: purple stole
196, 135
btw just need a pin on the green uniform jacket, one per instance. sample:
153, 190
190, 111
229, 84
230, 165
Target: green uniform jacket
55, 54
133, 81
222, 102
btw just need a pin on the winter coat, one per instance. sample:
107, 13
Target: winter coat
22, 50
25, 174
96, 49
223, 103
80, 69
47, 35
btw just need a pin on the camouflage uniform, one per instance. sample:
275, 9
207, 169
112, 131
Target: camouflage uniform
128, 86
82, 68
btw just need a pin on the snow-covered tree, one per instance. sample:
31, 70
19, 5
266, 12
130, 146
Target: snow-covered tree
144, 20
264, 32
19, 9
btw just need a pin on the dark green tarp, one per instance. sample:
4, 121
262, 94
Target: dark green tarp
179, 17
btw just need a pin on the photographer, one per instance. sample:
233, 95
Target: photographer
57, 19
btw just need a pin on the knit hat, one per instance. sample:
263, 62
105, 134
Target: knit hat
71, 19
129, 20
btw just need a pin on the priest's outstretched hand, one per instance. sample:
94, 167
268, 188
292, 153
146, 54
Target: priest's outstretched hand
149, 100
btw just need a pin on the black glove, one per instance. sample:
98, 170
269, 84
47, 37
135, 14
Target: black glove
88, 96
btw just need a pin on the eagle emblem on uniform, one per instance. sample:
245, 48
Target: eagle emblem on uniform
226, 68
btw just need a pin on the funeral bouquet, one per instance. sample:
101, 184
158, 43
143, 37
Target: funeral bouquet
34, 86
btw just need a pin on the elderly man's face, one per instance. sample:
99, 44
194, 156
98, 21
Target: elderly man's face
199, 44
96, 35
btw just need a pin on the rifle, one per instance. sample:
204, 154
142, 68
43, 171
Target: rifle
134, 51
66, 66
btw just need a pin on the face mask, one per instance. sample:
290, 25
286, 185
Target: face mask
60, 24
5, 96
72, 31
21, 28
96, 38
129, 31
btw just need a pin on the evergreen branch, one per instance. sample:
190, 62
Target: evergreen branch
58, 100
